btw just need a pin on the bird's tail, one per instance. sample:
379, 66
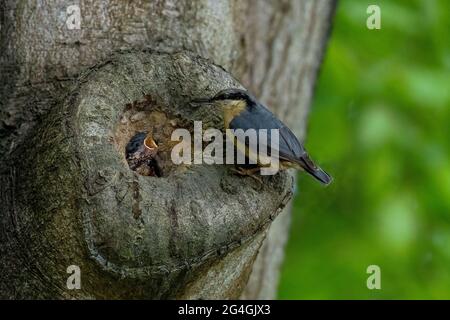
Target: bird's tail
308, 165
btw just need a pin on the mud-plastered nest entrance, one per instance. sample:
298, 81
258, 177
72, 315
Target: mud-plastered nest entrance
143, 138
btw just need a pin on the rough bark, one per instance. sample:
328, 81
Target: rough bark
67, 194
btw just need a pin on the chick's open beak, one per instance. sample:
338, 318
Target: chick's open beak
149, 143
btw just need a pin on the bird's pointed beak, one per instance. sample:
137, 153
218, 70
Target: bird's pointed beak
202, 100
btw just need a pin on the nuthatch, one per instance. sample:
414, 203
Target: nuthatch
141, 154
243, 111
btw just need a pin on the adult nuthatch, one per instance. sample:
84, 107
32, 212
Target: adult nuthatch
243, 111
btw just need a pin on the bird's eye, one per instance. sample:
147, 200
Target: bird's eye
223, 96
232, 94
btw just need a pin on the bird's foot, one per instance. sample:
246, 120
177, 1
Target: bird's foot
248, 172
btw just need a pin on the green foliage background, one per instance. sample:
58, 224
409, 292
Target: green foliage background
380, 124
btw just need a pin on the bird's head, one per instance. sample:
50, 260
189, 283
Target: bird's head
233, 102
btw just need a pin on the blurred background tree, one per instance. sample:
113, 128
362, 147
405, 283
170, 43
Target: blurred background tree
380, 123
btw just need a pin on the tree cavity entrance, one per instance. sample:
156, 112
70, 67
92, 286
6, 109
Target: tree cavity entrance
143, 137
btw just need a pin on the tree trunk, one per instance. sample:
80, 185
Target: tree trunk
72, 98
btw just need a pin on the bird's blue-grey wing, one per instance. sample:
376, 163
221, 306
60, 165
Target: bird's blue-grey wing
289, 148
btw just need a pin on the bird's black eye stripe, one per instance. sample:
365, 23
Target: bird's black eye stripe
232, 94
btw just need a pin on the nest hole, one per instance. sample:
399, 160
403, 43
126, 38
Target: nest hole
143, 137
